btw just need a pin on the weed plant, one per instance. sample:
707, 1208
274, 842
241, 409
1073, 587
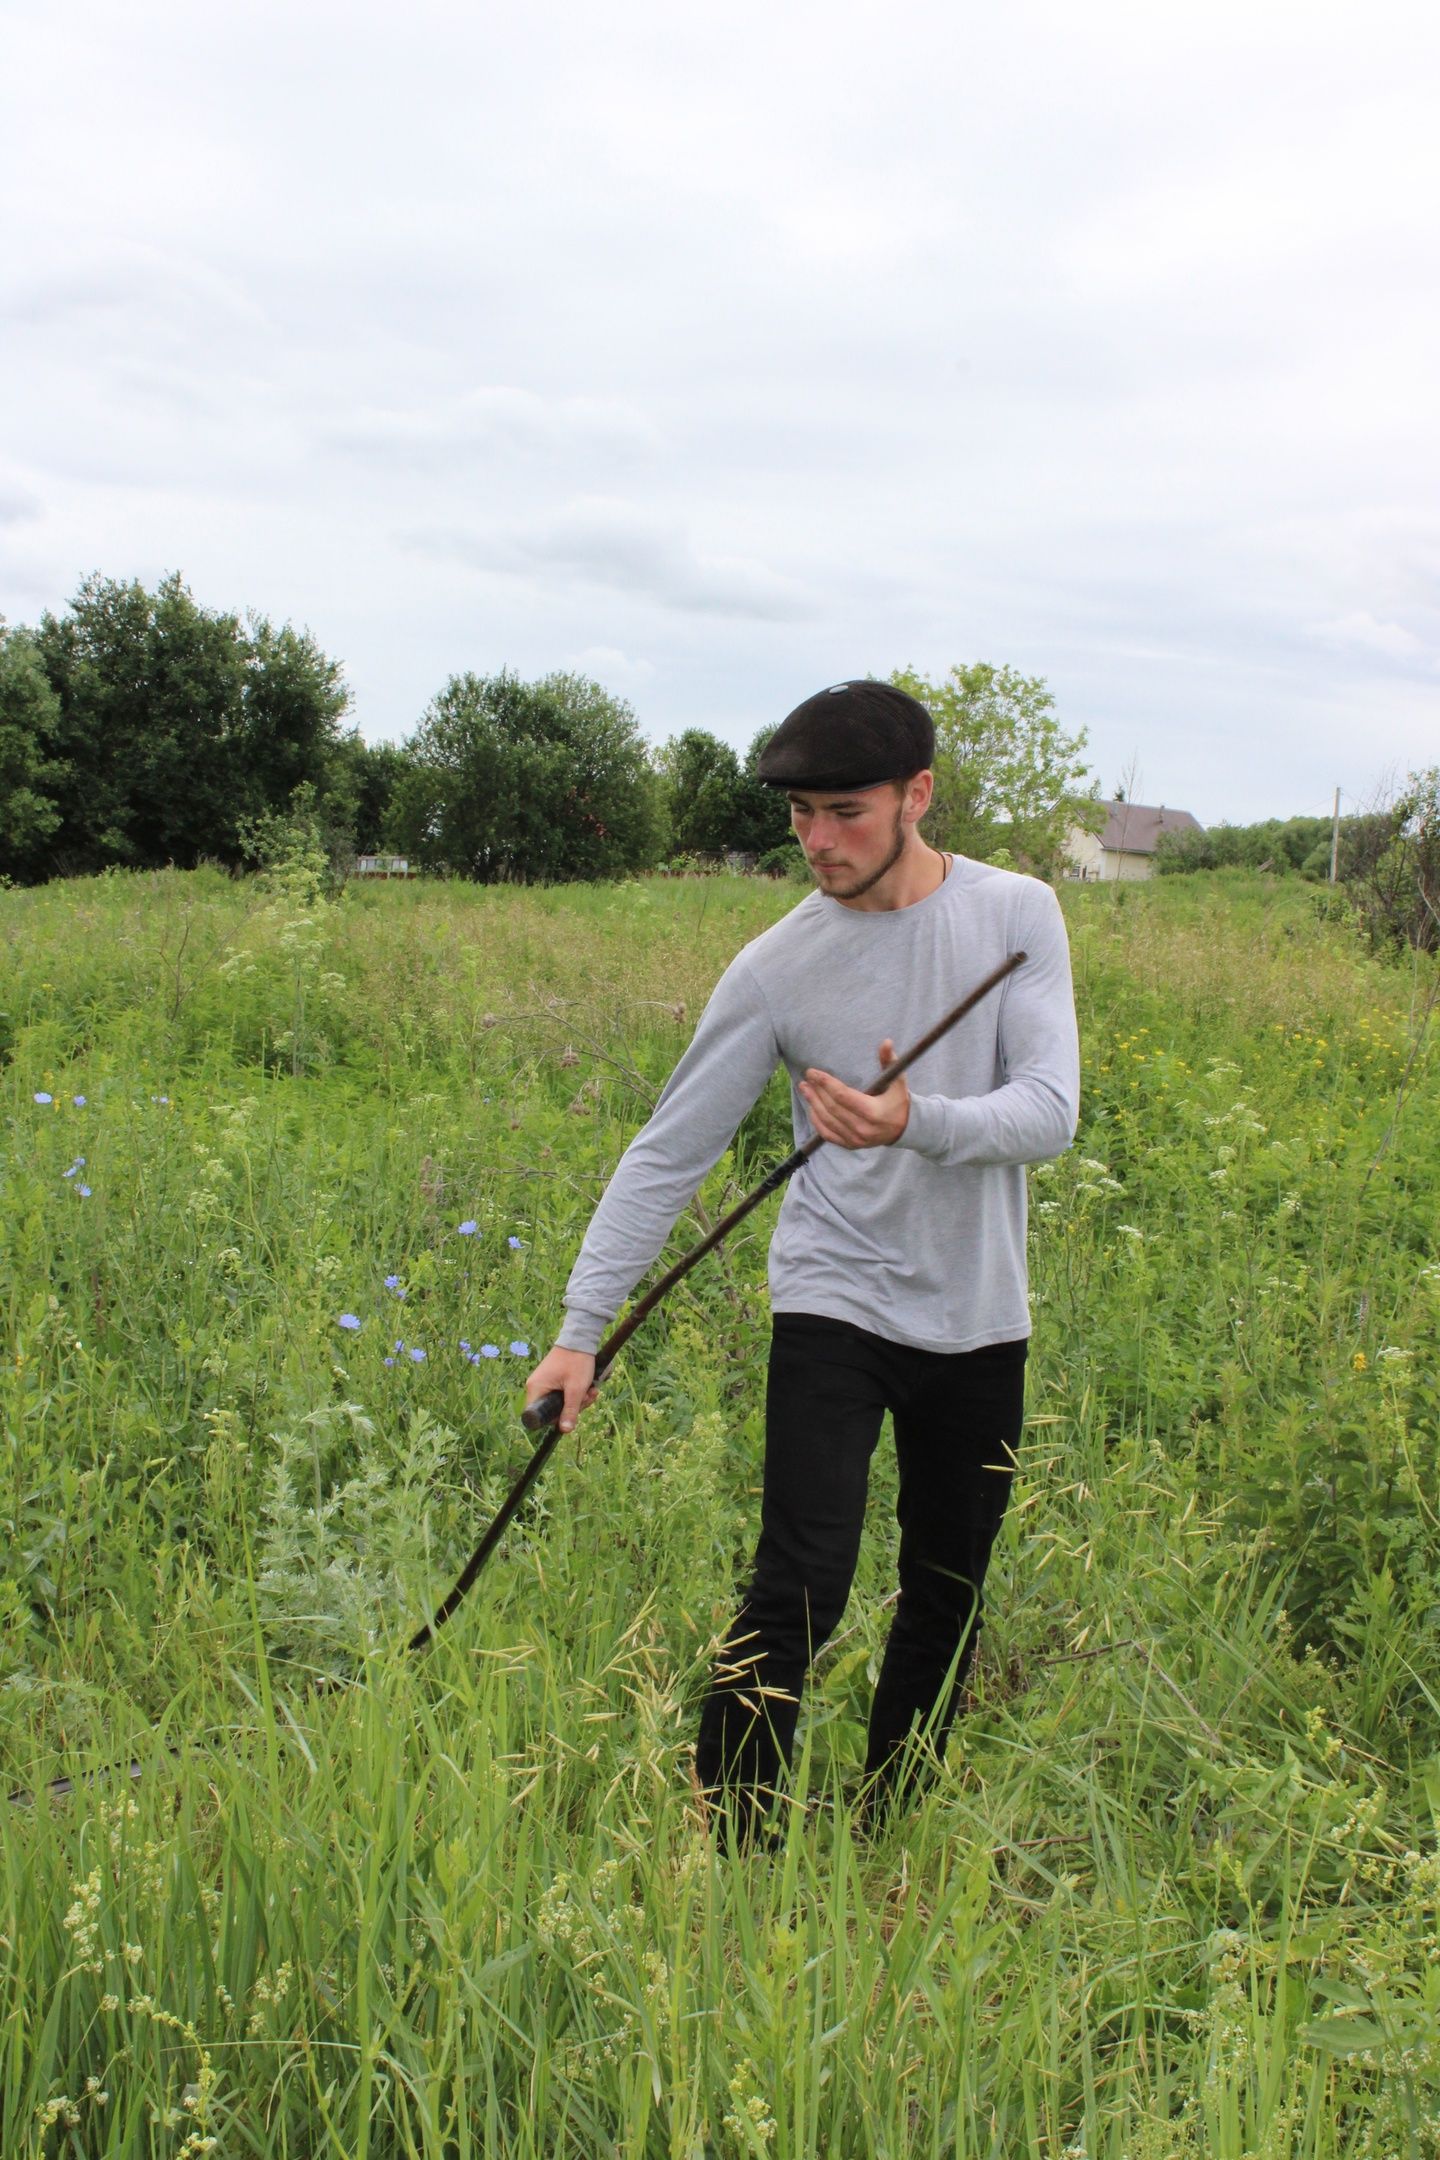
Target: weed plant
290, 1188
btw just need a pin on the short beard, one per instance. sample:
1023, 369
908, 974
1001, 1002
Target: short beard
897, 849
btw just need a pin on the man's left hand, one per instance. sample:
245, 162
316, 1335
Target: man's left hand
848, 1117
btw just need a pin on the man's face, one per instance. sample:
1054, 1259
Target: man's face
851, 841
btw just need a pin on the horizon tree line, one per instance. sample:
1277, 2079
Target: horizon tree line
139, 728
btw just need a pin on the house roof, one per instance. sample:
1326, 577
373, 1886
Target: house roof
1133, 828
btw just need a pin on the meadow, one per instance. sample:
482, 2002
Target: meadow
290, 1187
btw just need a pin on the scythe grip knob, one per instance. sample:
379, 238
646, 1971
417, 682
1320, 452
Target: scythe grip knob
539, 1415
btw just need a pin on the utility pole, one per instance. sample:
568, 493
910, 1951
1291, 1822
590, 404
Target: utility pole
1335, 840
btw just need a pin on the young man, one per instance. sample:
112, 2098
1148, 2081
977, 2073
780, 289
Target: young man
897, 1265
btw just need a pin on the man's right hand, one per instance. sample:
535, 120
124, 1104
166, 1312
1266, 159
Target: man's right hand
573, 1372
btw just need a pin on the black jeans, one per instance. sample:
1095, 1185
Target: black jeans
957, 1421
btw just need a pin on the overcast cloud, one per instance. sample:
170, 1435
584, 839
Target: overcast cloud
721, 354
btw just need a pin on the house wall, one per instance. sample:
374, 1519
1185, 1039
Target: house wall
1094, 863
1085, 853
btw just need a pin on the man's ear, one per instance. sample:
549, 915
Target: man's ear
919, 789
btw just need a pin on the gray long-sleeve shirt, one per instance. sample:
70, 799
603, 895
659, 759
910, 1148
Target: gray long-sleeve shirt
922, 1242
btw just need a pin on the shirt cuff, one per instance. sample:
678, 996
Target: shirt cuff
582, 1331
941, 1127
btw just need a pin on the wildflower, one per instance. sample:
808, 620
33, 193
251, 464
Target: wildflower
79, 1101
84, 1191
1359, 1362
514, 1243
1128, 1229
1392, 1354
417, 1357
42, 1097
463, 1344
389, 1361
348, 1320
519, 1349
489, 1349
748, 2118
468, 1229
392, 1282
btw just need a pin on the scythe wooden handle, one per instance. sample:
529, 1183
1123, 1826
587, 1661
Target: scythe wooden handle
539, 1415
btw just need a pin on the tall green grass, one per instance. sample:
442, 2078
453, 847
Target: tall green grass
1176, 1893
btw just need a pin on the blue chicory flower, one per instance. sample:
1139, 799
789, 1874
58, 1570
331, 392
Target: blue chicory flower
389, 1360
84, 1191
417, 1357
348, 1320
519, 1349
42, 1097
515, 1244
488, 1349
468, 1229
79, 1101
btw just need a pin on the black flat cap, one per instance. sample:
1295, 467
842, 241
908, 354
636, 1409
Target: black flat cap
853, 735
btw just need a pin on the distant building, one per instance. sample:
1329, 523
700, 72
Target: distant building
383, 866
1125, 847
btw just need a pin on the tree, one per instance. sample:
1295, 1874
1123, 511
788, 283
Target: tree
380, 767
294, 700
762, 814
1390, 865
1178, 853
175, 723
354, 809
1276, 844
1007, 776
29, 710
716, 803
534, 781
700, 782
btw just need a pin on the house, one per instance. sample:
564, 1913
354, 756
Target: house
1125, 846
385, 866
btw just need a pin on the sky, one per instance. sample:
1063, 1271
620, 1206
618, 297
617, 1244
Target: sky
720, 354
